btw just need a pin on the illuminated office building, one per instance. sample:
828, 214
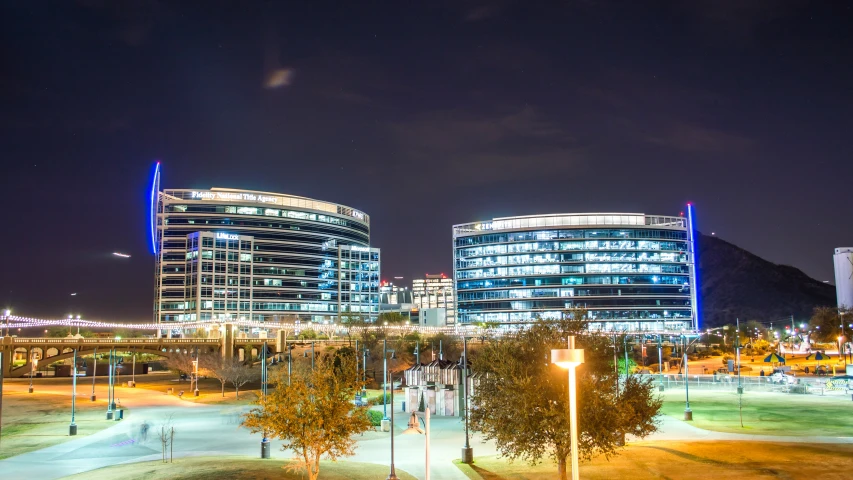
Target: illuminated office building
435, 291
630, 271
234, 254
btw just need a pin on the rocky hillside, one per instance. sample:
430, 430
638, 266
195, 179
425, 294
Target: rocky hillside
736, 283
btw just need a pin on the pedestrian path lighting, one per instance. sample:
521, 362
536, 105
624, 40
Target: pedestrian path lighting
570, 358
385, 352
34, 363
72, 429
414, 428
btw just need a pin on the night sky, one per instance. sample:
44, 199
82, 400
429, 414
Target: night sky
422, 114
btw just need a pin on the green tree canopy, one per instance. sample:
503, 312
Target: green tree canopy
313, 415
521, 399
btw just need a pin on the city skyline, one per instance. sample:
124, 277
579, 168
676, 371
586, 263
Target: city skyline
421, 116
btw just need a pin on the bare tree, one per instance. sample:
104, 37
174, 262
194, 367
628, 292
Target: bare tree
166, 433
180, 363
239, 374
215, 366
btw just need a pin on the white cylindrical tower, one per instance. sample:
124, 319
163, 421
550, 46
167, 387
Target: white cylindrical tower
844, 277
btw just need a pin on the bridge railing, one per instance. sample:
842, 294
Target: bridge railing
111, 341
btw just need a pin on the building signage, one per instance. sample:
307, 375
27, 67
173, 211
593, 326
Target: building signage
236, 197
226, 236
272, 200
359, 249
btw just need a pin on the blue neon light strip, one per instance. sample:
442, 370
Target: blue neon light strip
152, 217
695, 288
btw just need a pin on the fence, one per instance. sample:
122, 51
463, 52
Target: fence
801, 385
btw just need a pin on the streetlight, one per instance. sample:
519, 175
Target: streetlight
570, 358
415, 429
688, 414
72, 429
34, 362
385, 351
265, 442
305, 354
7, 314
467, 451
94, 372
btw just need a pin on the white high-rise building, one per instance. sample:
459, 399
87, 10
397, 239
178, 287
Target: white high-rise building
844, 277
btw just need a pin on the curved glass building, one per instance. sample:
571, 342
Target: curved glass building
631, 271
235, 254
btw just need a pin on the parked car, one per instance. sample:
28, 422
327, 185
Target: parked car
780, 378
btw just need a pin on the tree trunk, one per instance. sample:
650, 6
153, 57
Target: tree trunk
236, 392
223, 389
561, 468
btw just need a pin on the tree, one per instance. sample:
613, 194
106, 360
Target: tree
825, 324
313, 415
391, 318
521, 399
213, 365
180, 363
240, 374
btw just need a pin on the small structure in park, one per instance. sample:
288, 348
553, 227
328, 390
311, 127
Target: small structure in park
439, 384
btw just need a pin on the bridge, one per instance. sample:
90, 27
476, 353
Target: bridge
51, 350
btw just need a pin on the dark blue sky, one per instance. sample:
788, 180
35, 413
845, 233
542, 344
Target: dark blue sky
422, 114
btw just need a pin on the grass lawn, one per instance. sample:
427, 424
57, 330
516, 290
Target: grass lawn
765, 413
33, 421
234, 467
693, 460
210, 390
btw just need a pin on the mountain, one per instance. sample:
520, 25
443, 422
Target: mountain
736, 283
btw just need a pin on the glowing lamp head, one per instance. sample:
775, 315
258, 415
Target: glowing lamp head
567, 357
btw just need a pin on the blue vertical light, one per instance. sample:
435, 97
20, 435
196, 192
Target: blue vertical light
691, 231
154, 201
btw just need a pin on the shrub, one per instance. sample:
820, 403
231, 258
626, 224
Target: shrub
375, 417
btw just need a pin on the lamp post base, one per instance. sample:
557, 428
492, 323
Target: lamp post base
109, 415
392, 476
265, 448
93, 398
688, 415
661, 388
467, 455
31, 390
195, 393
739, 390
72, 429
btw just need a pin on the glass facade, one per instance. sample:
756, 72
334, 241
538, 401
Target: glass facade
223, 254
630, 271
358, 281
435, 291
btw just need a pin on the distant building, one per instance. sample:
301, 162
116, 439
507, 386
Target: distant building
395, 299
630, 271
433, 317
223, 254
435, 291
844, 277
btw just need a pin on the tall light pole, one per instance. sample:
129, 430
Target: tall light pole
570, 358
265, 442
660, 364
688, 414
392, 475
94, 372
110, 386
133, 372
72, 429
8, 314
737, 346
365, 353
34, 361
467, 451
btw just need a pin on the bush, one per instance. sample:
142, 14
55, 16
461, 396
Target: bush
375, 417
727, 357
377, 400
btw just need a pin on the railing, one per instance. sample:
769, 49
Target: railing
112, 341
729, 382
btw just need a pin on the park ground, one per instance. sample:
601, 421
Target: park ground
699, 460
234, 467
786, 436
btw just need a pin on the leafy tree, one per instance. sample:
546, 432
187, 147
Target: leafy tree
422, 404
391, 318
521, 400
450, 345
313, 415
825, 324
